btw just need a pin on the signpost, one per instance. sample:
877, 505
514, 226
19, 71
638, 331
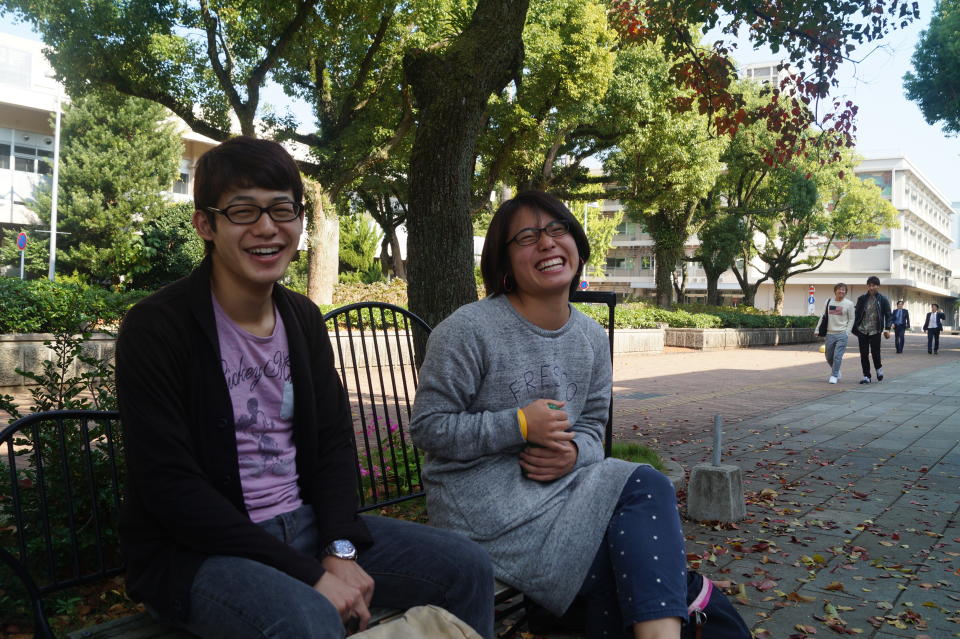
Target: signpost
811, 299
584, 285
22, 247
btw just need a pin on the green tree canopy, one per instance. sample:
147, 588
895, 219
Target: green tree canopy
806, 215
117, 155
372, 69
934, 83
663, 170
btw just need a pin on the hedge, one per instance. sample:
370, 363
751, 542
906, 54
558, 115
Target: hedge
639, 315
41, 306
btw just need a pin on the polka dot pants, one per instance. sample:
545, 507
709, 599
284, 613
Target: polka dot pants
639, 572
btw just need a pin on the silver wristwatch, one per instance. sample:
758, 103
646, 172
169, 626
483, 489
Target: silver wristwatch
341, 548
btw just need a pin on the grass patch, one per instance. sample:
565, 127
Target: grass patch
638, 453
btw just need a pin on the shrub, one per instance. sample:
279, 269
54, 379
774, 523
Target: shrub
392, 292
41, 306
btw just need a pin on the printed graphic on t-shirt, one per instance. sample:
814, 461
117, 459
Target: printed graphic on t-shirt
834, 309
260, 452
545, 382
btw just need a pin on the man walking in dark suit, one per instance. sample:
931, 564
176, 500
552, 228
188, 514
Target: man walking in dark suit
933, 325
901, 322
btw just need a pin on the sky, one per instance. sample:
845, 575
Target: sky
887, 123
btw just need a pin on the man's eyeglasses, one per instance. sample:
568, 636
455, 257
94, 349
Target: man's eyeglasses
531, 235
250, 213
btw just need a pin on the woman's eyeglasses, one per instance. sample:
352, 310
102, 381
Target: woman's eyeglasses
531, 235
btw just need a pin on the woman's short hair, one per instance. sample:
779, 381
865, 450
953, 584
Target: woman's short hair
495, 258
838, 286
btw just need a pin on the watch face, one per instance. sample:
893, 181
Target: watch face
344, 549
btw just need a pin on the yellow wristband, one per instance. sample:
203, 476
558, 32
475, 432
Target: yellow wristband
523, 423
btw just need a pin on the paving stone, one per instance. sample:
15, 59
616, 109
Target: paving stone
782, 421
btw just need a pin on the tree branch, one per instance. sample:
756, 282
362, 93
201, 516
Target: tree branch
274, 51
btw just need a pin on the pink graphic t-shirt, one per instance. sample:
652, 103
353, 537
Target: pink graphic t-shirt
257, 371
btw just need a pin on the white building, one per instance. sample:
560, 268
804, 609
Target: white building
915, 262
28, 102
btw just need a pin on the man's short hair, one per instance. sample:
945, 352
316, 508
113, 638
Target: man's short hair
243, 162
838, 286
873, 279
899, 301
937, 305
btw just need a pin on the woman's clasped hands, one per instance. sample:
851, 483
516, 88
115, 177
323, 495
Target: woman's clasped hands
553, 453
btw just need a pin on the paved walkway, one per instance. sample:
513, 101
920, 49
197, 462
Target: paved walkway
853, 491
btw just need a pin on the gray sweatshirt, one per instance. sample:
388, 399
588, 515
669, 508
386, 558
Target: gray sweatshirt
483, 363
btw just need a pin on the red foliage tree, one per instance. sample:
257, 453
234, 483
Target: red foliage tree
817, 38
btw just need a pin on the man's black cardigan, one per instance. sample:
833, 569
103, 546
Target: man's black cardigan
884, 314
184, 499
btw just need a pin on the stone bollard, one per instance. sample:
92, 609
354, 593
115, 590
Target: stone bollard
715, 490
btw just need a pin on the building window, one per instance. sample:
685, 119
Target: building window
32, 153
23, 164
646, 263
615, 262
4, 156
180, 186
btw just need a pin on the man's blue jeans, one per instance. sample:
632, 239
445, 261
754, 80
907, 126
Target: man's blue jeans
411, 564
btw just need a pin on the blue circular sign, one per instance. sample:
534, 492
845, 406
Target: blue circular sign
811, 300
22, 241
584, 285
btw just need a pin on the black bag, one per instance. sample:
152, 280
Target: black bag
822, 331
712, 616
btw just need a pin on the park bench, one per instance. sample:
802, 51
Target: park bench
64, 469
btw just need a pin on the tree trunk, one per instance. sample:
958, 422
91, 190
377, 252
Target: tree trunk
669, 231
680, 283
385, 262
451, 89
778, 287
323, 243
713, 290
666, 259
399, 269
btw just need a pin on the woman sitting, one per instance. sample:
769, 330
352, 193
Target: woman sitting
513, 397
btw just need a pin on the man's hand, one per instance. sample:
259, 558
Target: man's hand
348, 587
547, 464
547, 426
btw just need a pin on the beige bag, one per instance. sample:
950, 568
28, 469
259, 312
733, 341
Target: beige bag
419, 622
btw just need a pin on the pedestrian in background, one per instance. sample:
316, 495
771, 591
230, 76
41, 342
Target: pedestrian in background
901, 322
839, 316
872, 318
933, 325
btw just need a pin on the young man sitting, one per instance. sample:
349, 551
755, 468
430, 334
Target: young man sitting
241, 512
